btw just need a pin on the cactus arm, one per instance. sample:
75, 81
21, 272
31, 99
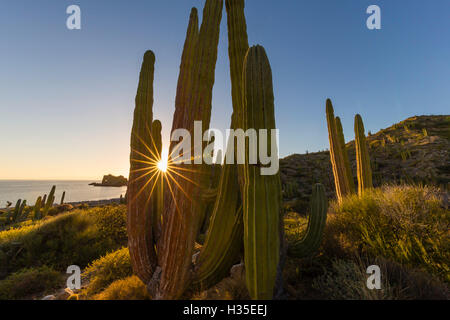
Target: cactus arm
316, 224
140, 237
261, 194
182, 216
362, 157
224, 238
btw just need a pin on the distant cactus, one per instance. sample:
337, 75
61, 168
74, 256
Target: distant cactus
15, 213
362, 157
341, 176
50, 201
37, 209
62, 197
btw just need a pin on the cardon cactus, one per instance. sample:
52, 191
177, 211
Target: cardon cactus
140, 231
316, 224
162, 248
340, 172
261, 194
362, 157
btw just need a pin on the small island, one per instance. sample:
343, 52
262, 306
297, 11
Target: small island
111, 181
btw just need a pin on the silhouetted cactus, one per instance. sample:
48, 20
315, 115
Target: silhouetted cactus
364, 171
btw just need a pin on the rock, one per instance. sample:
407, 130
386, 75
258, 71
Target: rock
49, 297
237, 272
111, 181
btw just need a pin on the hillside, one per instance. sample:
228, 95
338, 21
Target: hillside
416, 150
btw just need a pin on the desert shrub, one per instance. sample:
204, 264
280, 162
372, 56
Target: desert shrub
347, 281
406, 224
111, 222
107, 269
130, 288
26, 282
72, 238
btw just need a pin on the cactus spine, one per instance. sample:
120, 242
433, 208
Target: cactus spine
261, 194
362, 157
224, 237
340, 172
316, 224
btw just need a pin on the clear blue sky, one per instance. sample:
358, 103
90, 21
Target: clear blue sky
67, 97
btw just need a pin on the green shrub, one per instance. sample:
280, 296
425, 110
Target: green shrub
26, 282
406, 224
111, 222
74, 238
130, 288
107, 269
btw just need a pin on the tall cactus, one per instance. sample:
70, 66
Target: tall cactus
316, 224
342, 183
348, 168
140, 235
224, 237
362, 157
261, 194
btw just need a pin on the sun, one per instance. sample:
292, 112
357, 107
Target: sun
163, 163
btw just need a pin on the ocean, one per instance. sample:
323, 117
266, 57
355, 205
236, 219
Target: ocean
30, 190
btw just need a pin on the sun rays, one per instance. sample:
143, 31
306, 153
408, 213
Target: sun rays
151, 166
